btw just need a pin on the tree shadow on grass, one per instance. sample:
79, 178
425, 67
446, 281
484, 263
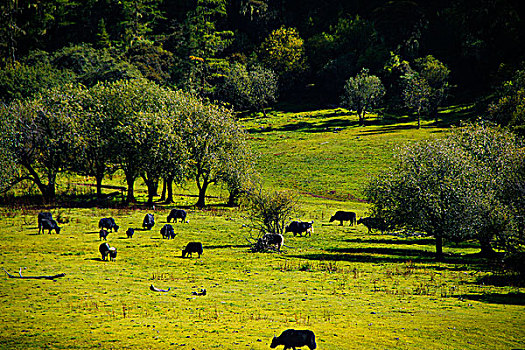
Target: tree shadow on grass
227, 246
392, 255
498, 298
310, 127
405, 254
413, 241
422, 241
362, 258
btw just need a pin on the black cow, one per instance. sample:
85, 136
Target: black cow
344, 216
298, 227
106, 250
103, 234
273, 239
42, 216
177, 214
49, 225
108, 223
167, 231
292, 338
130, 232
148, 222
373, 223
192, 247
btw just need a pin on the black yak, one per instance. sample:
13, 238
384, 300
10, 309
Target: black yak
373, 223
292, 338
108, 223
192, 247
177, 214
148, 222
298, 227
344, 216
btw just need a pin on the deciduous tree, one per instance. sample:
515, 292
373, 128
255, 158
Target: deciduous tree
39, 137
452, 188
362, 93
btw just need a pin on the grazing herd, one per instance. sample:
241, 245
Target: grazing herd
290, 338
108, 225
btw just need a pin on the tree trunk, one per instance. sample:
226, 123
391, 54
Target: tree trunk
201, 203
486, 247
152, 184
361, 114
163, 194
419, 118
130, 180
169, 186
439, 247
99, 178
48, 191
232, 198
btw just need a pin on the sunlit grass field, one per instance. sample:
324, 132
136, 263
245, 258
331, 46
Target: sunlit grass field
355, 290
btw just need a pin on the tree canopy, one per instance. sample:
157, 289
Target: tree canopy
453, 188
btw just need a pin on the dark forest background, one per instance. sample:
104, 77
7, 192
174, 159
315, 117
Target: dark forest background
313, 46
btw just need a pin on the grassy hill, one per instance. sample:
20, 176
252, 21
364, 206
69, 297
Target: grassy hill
353, 289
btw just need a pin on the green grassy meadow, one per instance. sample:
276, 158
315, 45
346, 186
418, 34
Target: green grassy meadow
353, 289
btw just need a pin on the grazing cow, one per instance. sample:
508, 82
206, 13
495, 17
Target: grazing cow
344, 216
49, 225
292, 338
373, 223
148, 222
103, 234
298, 227
130, 232
177, 214
108, 223
192, 247
106, 250
42, 216
167, 231
273, 239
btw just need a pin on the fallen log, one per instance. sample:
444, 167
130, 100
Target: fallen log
155, 289
33, 277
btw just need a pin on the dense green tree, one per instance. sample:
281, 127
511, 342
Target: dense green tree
451, 188
436, 74
41, 137
416, 94
151, 60
495, 154
253, 88
128, 103
362, 93
23, 81
509, 107
201, 40
97, 127
92, 65
214, 142
283, 52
